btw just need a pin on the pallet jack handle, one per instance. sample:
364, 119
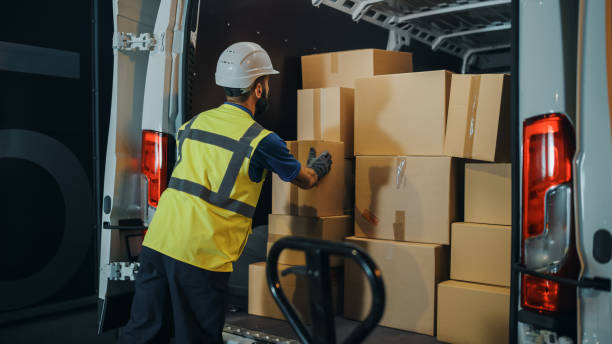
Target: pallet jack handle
317, 271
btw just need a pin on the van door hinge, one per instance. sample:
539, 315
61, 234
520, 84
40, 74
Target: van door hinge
129, 41
122, 271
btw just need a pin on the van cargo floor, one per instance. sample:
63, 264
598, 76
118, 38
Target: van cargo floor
80, 326
344, 326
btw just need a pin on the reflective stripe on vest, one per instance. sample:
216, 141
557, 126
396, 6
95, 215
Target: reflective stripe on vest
240, 149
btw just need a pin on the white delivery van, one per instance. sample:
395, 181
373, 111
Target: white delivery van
563, 173
562, 141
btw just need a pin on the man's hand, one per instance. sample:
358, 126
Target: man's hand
315, 169
306, 179
320, 164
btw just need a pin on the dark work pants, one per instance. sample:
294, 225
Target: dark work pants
195, 298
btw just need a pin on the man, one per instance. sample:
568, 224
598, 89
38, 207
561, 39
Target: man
204, 217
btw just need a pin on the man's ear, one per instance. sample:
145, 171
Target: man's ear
258, 90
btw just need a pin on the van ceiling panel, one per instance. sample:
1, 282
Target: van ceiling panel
453, 27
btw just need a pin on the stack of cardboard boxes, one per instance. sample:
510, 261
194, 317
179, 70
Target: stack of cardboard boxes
408, 181
407, 136
325, 122
473, 306
404, 195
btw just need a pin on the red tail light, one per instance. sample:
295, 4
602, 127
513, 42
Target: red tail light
547, 235
154, 164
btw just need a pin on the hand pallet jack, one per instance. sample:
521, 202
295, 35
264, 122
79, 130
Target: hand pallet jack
317, 270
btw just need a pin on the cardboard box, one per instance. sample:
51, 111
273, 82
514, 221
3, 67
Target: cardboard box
328, 198
349, 184
327, 114
402, 114
405, 198
479, 117
481, 253
333, 228
295, 288
472, 313
340, 69
410, 271
488, 193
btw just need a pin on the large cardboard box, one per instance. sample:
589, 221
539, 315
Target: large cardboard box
481, 253
488, 193
472, 313
340, 69
478, 125
327, 114
329, 197
295, 288
333, 228
406, 198
402, 114
410, 272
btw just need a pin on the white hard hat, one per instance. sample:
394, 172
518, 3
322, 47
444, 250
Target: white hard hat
241, 63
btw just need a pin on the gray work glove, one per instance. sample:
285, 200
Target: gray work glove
320, 164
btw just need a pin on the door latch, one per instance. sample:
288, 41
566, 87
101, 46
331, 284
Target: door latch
122, 271
129, 41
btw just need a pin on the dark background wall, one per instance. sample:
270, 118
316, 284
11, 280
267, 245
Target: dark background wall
47, 218
35, 208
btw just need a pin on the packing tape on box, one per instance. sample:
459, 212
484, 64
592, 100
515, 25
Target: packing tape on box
470, 128
399, 172
399, 226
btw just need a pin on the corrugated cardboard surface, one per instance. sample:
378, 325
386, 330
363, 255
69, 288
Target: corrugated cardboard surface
295, 288
334, 228
405, 198
340, 69
478, 125
472, 313
391, 62
328, 198
401, 114
493, 113
349, 184
410, 272
488, 193
461, 105
327, 114
481, 253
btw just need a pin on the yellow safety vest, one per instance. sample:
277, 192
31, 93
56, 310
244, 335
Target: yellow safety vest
204, 216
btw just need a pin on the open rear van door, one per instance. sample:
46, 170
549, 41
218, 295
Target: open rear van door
151, 44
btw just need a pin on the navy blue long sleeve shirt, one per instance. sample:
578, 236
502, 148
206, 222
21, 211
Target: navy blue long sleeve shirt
272, 154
